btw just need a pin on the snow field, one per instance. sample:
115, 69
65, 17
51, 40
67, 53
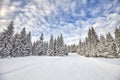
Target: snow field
72, 67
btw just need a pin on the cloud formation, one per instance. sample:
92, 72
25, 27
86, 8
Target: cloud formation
72, 18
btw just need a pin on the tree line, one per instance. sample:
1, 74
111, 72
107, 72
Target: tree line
100, 46
20, 44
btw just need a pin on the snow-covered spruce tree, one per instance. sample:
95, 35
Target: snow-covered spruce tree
83, 51
50, 51
87, 47
83, 48
1, 44
111, 46
55, 47
39, 47
88, 44
95, 42
35, 48
22, 45
92, 43
45, 47
16, 51
79, 47
102, 46
60, 46
65, 49
117, 40
7, 41
109, 37
41, 50
28, 44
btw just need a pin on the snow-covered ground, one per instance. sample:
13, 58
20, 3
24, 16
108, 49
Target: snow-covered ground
72, 67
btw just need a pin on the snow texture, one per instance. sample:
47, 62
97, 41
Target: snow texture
71, 67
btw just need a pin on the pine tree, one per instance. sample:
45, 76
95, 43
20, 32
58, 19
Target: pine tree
55, 47
35, 49
110, 45
41, 46
7, 41
1, 44
109, 38
61, 48
23, 33
92, 43
50, 51
28, 44
65, 49
94, 38
102, 46
114, 49
45, 47
79, 50
117, 38
22, 45
16, 51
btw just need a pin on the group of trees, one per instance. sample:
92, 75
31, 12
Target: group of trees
57, 46
15, 45
72, 48
19, 44
103, 46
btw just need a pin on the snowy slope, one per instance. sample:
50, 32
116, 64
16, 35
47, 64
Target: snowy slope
72, 67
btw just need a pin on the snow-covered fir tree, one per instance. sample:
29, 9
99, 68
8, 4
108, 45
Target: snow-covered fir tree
6, 41
28, 44
16, 51
55, 47
34, 48
117, 38
39, 47
22, 45
50, 50
102, 46
42, 45
45, 47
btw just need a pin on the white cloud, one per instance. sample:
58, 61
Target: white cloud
73, 6
8, 8
32, 16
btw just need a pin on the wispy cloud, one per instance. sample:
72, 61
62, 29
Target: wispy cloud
73, 18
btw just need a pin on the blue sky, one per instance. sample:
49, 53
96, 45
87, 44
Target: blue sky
72, 18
